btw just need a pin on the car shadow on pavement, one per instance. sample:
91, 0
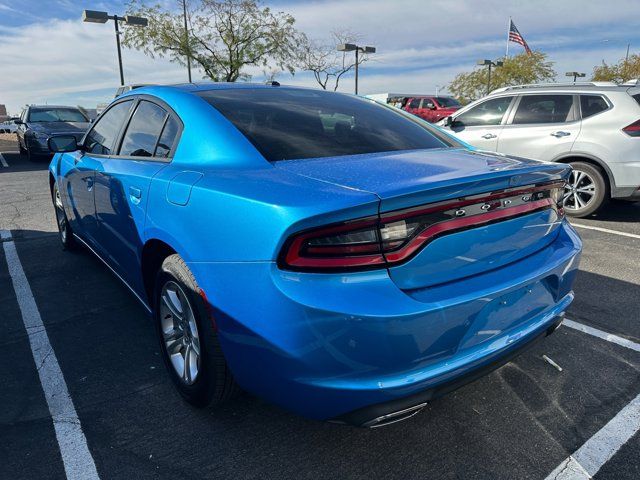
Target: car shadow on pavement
20, 163
607, 303
617, 211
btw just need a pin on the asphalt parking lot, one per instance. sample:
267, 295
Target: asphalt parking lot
521, 422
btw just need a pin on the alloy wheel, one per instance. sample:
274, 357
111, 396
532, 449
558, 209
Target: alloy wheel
180, 332
579, 191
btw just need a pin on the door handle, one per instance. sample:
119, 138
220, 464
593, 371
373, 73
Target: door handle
560, 134
135, 194
489, 136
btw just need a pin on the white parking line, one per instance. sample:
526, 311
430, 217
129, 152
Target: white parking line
606, 230
609, 337
77, 460
3, 161
598, 450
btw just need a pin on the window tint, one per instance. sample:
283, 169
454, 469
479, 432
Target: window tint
544, 109
143, 130
636, 97
592, 104
486, 113
287, 124
415, 103
102, 136
426, 102
163, 149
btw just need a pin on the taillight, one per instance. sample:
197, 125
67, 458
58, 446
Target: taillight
633, 130
395, 237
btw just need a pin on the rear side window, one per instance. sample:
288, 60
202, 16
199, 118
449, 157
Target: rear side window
636, 97
168, 137
544, 109
102, 136
415, 103
143, 130
490, 112
592, 104
289, 124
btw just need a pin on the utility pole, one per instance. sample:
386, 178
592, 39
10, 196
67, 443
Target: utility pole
350, 47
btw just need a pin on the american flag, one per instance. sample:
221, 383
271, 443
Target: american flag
514, 36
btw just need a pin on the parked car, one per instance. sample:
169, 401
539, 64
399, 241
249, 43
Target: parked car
38, 123
432, 109
8, 126
594, 127
320, 250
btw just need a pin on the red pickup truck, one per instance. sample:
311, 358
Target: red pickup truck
432, 109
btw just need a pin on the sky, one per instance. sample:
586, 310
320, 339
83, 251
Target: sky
48, 55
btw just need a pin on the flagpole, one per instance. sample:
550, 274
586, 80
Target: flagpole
506, 55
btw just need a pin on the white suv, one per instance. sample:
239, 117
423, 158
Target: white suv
594, 126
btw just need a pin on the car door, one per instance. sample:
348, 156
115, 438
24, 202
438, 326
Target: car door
78, 170
413, 106
428, 110
542, 126
481, 124
122, 186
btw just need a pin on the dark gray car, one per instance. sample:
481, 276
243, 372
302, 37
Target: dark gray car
39, 122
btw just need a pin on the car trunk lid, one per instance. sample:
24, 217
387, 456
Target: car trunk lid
460, 183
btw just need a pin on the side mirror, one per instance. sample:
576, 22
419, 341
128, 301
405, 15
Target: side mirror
17, 121
448, 121
63, 143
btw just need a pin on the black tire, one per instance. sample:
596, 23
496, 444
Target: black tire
601, 194
65, 234
214, 383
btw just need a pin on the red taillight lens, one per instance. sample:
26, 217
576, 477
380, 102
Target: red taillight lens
632, 130
394, 237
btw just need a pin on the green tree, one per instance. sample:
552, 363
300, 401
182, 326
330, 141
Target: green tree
620, 72
517, 70
224, 38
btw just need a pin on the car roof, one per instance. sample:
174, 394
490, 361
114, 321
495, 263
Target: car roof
53, 106
208, 86
564, 87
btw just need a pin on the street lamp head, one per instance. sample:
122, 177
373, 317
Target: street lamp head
369, 49
484, 62
93, 16
575, 74
347, 47
136, 21
499, 63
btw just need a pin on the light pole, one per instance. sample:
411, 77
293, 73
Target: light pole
489, 63
575, 75
186, 37
351, 47
93, 16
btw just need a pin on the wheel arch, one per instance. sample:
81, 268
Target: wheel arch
154, 251
592, 160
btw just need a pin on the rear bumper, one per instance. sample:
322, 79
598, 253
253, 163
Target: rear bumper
395, 410
325, 345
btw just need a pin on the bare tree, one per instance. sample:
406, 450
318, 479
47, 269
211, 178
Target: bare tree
325, 62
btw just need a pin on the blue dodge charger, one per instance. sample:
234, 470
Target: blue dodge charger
332, 255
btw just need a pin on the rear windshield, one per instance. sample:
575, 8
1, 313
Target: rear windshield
447, 102
288, 124
56, 115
